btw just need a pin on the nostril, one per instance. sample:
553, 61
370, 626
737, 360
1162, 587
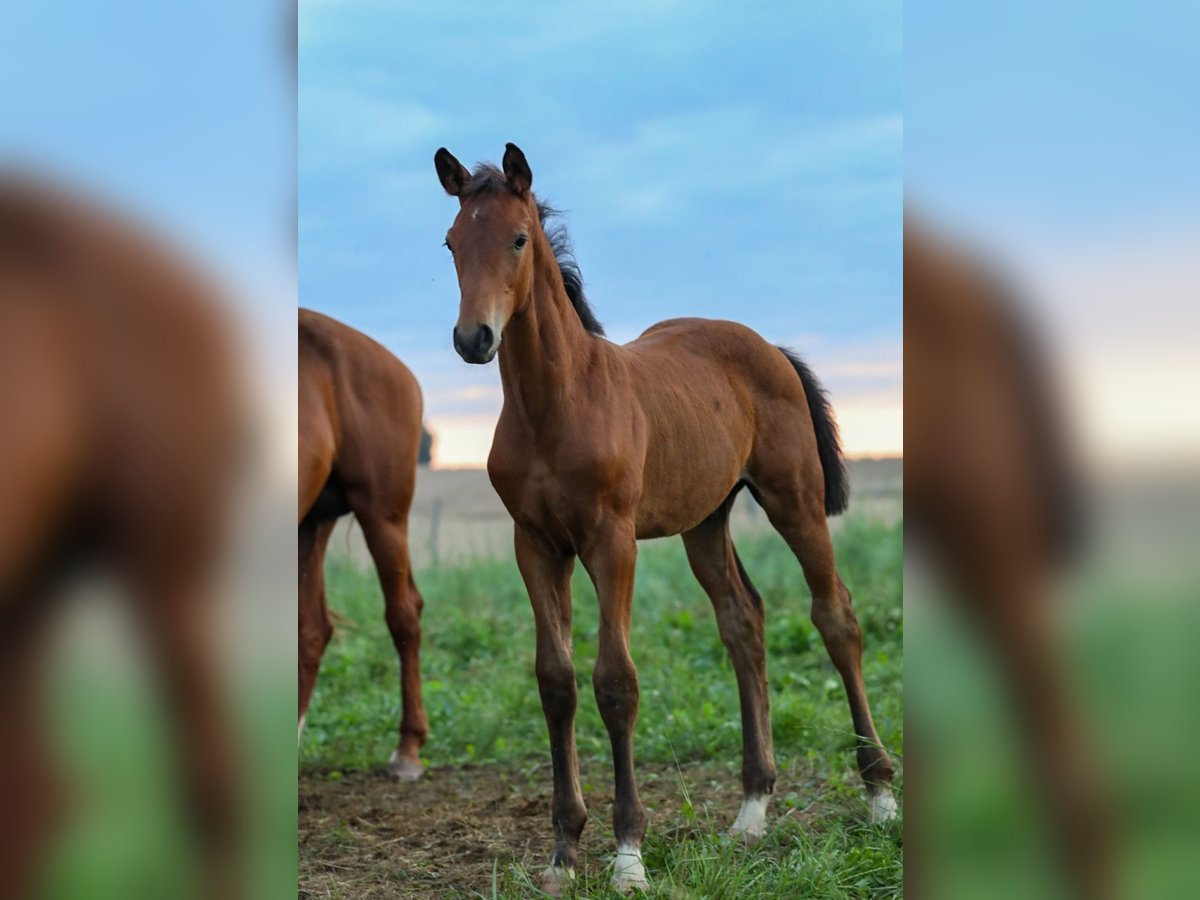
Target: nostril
484, 339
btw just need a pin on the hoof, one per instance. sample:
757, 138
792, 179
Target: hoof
745, 835
629, 874
751, 822
405, 769
883, 807
556, 879
628, 884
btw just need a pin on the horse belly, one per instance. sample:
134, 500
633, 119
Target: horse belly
680, 490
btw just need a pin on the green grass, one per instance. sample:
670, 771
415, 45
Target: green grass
789, 863
1129, 654
124, 833
482, 701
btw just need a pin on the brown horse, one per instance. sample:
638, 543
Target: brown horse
993, 491
120, 419
360, 434
600, 445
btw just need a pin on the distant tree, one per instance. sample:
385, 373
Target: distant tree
425, 455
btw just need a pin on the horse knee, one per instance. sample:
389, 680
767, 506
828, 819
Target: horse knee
404, 619
314, 638
556, 682
740, 625
616, 687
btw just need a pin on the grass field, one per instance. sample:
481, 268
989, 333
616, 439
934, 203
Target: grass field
479, 825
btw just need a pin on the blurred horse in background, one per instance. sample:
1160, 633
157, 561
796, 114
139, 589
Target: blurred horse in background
120, 425
994, 493
360, 436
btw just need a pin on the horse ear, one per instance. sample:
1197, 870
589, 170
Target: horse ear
451, 172
516, 169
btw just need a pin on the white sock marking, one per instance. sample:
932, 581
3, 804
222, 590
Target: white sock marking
883, 806
300, 729
628, 871
751, 820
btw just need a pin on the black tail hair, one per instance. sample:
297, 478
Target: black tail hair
829, 442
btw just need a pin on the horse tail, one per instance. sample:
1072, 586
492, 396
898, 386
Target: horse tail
829, 442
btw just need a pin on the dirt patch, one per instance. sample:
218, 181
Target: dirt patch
362, 834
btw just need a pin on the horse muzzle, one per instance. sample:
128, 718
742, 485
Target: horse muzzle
476, 345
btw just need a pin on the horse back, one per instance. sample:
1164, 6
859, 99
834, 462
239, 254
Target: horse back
360, 414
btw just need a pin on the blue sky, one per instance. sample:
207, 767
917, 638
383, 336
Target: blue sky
713, 160
1062, 119
1061, 140
179, 113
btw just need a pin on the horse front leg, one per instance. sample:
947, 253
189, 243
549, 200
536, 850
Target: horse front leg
547, 576
610, 559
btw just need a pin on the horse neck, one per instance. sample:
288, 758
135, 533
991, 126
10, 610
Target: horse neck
545, 347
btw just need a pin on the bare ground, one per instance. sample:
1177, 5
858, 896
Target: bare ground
362, 834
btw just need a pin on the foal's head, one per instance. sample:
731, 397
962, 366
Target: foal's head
491, 242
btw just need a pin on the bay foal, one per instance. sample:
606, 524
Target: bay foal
360, 435
599, 445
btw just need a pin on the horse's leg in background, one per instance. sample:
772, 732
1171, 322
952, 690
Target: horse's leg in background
178, 618
804, 527
611, 559
387, 539
739, 613
314, 628
29, 781
1008, 607
547, 578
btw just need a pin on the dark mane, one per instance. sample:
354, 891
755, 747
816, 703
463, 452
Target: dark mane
487, 179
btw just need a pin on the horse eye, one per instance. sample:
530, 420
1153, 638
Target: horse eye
446, 244
520, 242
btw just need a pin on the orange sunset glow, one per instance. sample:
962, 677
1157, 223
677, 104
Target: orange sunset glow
871, 427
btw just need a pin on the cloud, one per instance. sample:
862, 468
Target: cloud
341, 127
730, 163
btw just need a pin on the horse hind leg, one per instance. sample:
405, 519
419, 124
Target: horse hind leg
314, 627
388, 543
799, 517
740, 620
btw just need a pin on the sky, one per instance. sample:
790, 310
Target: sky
739, 162
180, 113
1067, 154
